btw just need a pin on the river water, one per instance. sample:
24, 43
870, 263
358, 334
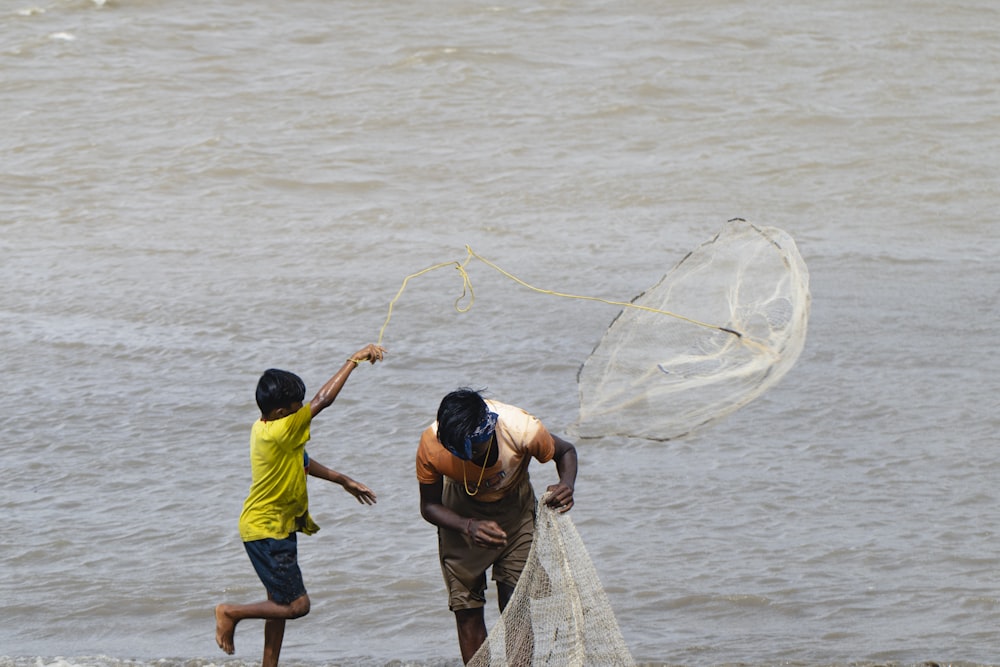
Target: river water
192, 192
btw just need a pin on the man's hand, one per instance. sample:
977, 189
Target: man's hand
560, 497
486, 533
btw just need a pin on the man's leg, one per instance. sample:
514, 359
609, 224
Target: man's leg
504, 591
471, 631
520, 646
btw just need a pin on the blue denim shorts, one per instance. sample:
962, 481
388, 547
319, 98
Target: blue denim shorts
277, 565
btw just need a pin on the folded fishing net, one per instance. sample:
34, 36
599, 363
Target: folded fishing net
559, 615
717, 331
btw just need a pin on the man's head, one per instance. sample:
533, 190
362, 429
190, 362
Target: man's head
278, 389
464, 421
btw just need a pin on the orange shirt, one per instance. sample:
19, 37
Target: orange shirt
519, 437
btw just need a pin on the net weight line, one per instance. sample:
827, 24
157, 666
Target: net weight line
468, 290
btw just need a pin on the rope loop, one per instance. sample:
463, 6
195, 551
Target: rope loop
467, 290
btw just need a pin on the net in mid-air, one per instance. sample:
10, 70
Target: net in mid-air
717, 331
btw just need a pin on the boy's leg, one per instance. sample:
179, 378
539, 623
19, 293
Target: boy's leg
228, 615
274, 633
276, 563
225, 628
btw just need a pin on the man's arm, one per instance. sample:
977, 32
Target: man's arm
329, 391
483, 532
364, 495
561, 494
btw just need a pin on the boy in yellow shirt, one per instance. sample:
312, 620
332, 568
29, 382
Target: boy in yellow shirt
277, 506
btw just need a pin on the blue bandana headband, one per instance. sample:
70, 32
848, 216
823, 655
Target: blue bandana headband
482, 433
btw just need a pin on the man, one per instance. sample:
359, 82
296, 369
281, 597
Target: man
472, 465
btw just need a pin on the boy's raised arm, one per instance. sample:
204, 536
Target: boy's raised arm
328, 392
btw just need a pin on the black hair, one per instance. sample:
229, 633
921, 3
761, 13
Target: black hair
279, 389
459, 414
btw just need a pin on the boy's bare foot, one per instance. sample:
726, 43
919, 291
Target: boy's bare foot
225, 628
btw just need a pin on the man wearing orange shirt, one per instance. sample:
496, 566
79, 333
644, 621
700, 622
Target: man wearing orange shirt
472, 465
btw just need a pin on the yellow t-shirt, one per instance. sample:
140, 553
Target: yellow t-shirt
278, 504
519, 436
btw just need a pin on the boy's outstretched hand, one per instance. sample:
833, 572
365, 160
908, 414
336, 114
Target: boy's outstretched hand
370, 353
364, 495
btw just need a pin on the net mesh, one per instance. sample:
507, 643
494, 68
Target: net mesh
745, 299
559, 614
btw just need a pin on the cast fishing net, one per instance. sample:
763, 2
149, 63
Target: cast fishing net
717, 331
559, 614
721, 328
739, 306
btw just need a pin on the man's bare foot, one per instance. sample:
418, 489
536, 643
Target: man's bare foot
225, 628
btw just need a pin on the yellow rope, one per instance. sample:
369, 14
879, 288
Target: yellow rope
467, 288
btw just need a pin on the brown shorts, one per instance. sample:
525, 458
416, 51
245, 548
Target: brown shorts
464, 564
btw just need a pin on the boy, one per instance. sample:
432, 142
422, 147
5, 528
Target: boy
277, 506
472, 466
